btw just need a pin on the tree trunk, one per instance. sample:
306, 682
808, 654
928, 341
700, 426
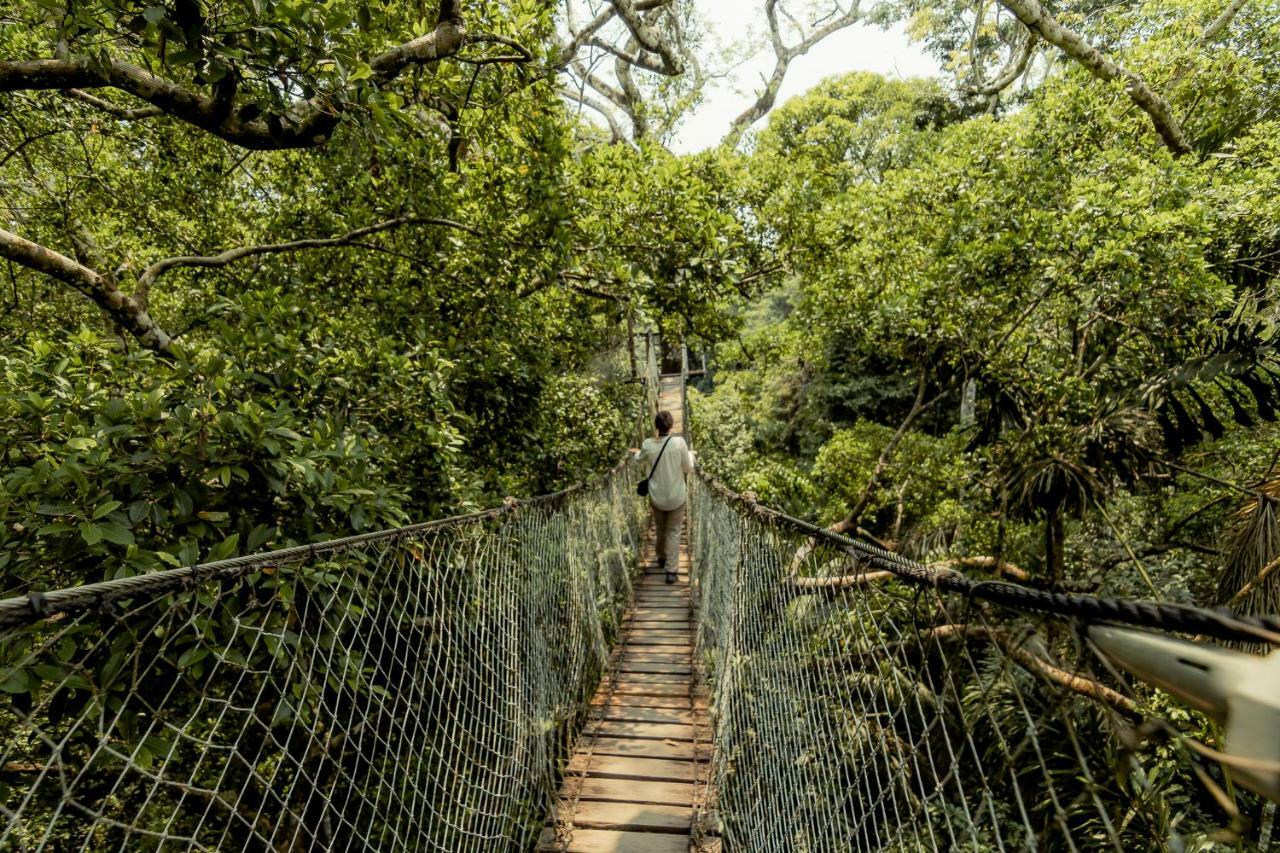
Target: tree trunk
1054, 535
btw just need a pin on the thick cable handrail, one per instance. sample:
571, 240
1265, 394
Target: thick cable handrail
36, 606
1220, 624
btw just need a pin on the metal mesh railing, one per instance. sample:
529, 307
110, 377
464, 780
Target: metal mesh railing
863, 702
412, 689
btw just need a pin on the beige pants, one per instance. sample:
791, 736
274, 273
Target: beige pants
668, 523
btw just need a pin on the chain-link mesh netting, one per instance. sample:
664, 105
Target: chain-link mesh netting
411, 690
855, 711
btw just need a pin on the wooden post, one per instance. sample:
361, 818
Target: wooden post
631, 340
684, 389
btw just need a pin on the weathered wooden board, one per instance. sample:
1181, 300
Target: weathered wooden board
633, 791
656, 731
632, 817
609, 841
631, 713
680, 670
676, 750
639, 769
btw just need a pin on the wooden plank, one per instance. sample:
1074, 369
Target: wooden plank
624, 711
655, 614
611, 841
633, 791
632, 817
654, 657
675, 750
681, 689
603, 698
622, 678
652, 731
645, 644
674, 644
681, 634
627, 767
645, 666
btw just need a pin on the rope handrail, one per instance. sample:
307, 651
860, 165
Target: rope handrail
38, 605
853, 712
1220, 624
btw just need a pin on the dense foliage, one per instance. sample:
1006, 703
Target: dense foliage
1110, 306
334, 267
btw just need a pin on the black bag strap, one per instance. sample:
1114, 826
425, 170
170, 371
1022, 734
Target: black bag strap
659, 459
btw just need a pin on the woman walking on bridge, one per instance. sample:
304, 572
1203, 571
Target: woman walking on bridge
669, 459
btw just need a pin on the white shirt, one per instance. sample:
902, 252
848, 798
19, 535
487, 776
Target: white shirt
666, 486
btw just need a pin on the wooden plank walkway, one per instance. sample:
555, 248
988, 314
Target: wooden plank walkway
638, 772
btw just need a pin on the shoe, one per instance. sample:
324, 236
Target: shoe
671, 577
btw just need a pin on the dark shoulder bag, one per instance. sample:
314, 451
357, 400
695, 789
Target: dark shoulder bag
642, 487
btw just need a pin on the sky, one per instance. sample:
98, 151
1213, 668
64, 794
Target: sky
856, 48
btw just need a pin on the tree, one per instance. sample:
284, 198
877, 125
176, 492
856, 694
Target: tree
1082, 283
273, 78
638, 65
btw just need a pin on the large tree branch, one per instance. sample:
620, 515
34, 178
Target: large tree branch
129, 312
222, 259
126, 311
586, 100
648, 37
615, 95
633, 101
1040, 22
577, 40
1016, 67
783, 56
1220, 23
310, 123
1039, 666
639, 60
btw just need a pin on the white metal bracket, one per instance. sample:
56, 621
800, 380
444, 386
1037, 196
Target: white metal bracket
1239, 690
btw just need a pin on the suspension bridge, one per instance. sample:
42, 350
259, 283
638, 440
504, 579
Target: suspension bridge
521, 678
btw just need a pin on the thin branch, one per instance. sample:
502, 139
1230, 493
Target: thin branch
1267, 571
21, 146
997, 567
840, 581
521, 56
111, 109
648, 63
222, 259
